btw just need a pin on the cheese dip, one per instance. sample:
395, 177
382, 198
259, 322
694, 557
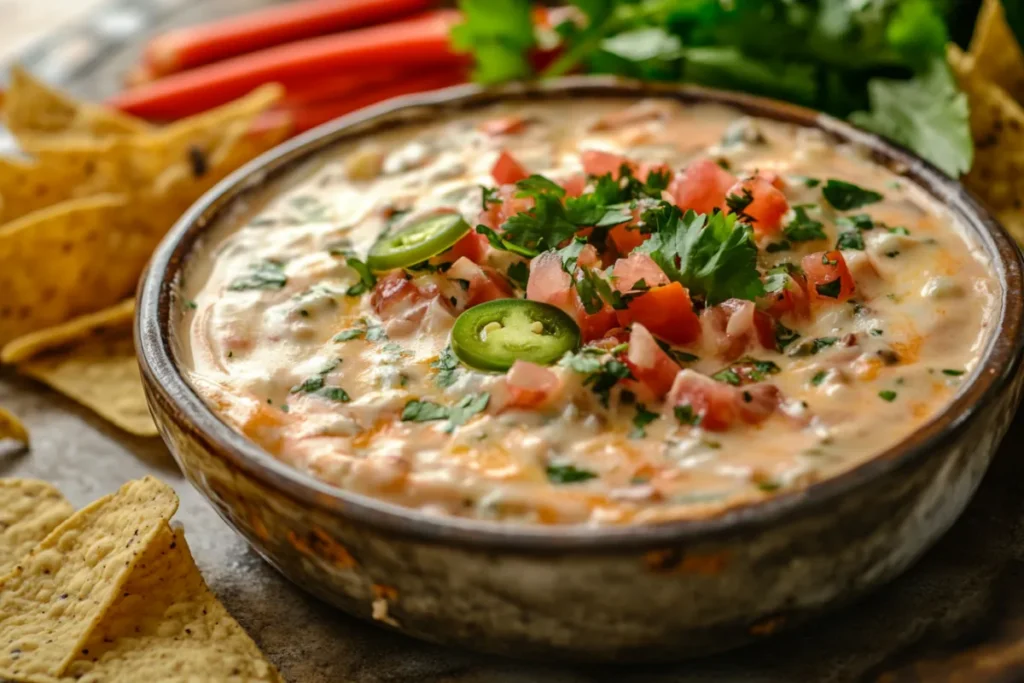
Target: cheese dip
588, 312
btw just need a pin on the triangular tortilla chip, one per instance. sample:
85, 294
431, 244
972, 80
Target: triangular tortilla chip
11, 428
29, 510
97, 325
997, 126
167, 625
32, 108
73, 258
997, 54
53, 599
102, 374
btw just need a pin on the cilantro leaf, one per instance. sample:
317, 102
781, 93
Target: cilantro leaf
448, 368
927, 113
567, 474
642, 418
367, 280
714, 257
803, 228
846, 196
424, 411
267, 274
542, 227
500, 35
852, 239
466, 408
519, 274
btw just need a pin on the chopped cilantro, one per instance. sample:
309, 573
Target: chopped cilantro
899, 230
846, 196
887, 395
738, 203
712, 256
424, 411
315, 383
367, 279
776, 247
746, 370
570, 253
488, 196
335, 394
519, 274
191, 305
830, 289
567, 474
953, 373
819, 377
811, 347
466, 408
859, 221
375, 333
728, 376
803, 228
784, 336
448, 368
601, 376
686, 416
850, 240
266, 274
642, 418
349, 334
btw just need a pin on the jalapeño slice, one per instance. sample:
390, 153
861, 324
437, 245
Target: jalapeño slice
417, 242
494, 335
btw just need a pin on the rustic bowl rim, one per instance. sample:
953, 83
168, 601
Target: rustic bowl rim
191, 414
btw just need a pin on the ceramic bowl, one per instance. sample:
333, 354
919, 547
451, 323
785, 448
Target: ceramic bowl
667, 591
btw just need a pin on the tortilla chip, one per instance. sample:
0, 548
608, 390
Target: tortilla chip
11, 428
997, 126
31, 108
29, 510
167, 625
74, 258
101, 324
52, 601
997, 54
102, 374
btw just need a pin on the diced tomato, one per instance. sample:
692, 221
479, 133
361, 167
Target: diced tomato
612, 338
592, 325
758, 402
549, 283
626, 238
733, 325
507, 171
701, 187
596, 162
503, 125
649, 363
768, 207
632, 269
484, 283
774, 178
500, 211
792, 298
394, 294
574, 185
531, 385
824, 269
666, 311
713, 402
589, 257
473, 247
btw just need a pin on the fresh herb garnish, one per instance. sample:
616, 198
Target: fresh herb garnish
846, 196
686, 416
457, 415
887, 395
315, 384
738, 203
850, 240
712, 256
746, 370
448, 368
488, 196
803, 228
819, 377
811, 347
567, 474
953, 373
830, 289
776, 247
367, 279
601, 376
349, 334
519, 274
784, 336
859, 221
642, 418
266, 274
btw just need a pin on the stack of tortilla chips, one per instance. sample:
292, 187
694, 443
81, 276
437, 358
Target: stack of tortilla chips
110, 593
80, 216
991, 73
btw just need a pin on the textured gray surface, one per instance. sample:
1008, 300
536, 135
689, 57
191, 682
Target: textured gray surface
957, 616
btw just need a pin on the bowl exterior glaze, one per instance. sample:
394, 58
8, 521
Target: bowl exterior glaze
662, 592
